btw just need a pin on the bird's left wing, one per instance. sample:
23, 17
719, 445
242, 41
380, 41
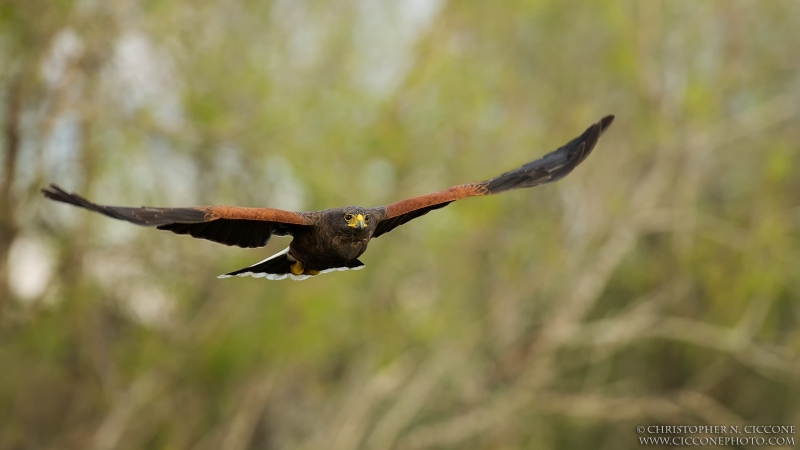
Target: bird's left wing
229, 225
551, 167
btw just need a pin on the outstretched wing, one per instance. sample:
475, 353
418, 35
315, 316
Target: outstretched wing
229, 225
551, 167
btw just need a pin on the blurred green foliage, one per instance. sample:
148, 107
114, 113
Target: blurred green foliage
657, 284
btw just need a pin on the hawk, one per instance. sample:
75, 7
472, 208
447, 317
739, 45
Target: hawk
332, 239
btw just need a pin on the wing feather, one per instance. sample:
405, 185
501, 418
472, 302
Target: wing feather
547, 169
398, 213
229, 225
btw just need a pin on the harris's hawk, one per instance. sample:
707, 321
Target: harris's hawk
332, 239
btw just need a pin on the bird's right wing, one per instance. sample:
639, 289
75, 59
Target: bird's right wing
229, 225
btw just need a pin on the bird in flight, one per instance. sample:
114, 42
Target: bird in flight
332, 239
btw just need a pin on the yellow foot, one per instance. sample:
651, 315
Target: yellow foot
312, 272
297, 268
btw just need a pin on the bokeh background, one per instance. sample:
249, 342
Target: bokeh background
658, 284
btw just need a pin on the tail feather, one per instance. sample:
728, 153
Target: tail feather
279, 267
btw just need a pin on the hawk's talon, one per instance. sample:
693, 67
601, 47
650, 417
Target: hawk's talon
298, 269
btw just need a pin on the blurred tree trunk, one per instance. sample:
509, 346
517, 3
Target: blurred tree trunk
8, 226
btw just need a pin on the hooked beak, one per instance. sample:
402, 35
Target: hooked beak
360, 224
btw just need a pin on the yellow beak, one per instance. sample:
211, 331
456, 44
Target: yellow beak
360, 224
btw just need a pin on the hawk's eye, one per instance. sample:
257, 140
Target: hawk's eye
348, 217
366, 218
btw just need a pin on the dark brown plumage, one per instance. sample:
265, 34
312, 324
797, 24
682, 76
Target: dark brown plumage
332, 239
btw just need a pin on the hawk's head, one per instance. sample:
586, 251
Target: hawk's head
356, 218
